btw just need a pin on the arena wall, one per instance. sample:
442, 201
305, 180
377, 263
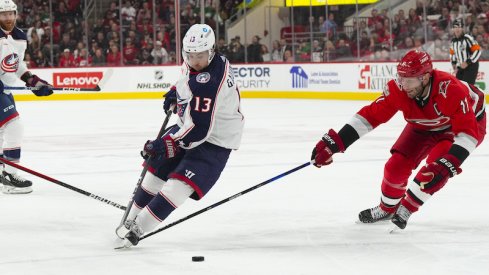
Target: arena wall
346, 81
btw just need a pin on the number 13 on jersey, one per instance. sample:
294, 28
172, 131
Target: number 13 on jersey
202, 104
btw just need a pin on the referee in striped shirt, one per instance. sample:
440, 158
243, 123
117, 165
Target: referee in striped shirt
464, 53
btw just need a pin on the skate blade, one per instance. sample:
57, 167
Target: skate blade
15, 190
394, 229
123, 244
372, 223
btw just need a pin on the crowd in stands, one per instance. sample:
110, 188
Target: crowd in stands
144, 41
383, 36
151, 41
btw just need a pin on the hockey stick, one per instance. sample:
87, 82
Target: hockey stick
227, 200
105, 77
83, 192
145, 168
64, 89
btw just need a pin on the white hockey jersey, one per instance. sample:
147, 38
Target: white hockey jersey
208, 104
12, 50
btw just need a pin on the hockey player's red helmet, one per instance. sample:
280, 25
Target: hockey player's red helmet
414, 64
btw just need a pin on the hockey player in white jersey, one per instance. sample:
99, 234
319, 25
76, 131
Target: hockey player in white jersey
188, 160
13, 43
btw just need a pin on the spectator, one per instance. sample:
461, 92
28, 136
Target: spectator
343, 50
99, 58
61, 13
330, 26
284, 47
35, 44
29, 62
113, 11
303, 52
159, 54
128, 13
36, 28
265, 53
254, 50
41, 60
129, 53
414, 19
276, 55
320, 25
144, 14
67, 42
444, 20
288, 57
67, 59
329, 51
236, 51
102, 42
83, 59
317, 51
114, 57
374, 18
146, 58
222, 48
164, 37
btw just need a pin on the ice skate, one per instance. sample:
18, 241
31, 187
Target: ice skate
133, 235
122, 230
401, 217
15, 184
373, 215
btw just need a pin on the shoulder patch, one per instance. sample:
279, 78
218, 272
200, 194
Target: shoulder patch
443, 88
203, 77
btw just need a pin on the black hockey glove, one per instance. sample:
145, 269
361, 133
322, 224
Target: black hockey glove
170, 99
42, 87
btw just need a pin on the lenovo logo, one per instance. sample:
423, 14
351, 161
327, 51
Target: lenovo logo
77, 80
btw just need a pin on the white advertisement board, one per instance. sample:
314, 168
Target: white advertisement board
308, 80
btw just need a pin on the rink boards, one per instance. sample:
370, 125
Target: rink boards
348, 81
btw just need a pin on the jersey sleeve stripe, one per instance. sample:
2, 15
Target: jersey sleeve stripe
465, 141
360, 124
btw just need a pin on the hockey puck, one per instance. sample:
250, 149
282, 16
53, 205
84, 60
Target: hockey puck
197, 258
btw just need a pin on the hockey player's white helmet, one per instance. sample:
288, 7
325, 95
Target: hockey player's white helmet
7, 5
199, 38
7, 22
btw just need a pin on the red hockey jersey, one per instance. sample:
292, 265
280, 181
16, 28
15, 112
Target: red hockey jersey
449, 103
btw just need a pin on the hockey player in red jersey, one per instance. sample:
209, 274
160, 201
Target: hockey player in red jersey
446, 121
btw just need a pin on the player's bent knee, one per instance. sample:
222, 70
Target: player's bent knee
152, 183
176, 191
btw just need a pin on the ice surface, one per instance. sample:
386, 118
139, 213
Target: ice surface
301, 224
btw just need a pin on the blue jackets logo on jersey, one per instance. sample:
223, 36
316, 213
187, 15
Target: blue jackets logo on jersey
10, 63
203, 77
